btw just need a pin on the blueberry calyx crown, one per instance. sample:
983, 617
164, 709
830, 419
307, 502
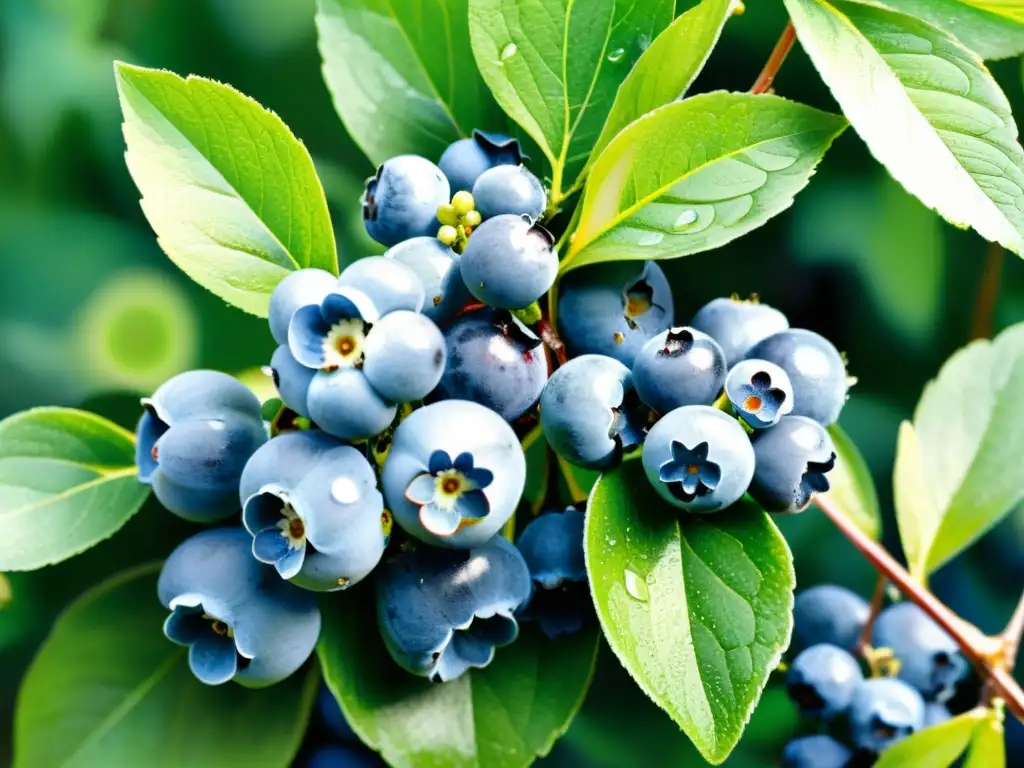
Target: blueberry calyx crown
689, 474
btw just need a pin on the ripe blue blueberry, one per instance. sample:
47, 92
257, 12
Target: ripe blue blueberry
510, 262
613, 309
314, 511
401, 200
828, 614
306, 286
821, 680
936, 713
464, 160
437, 267
738, 324
930, 659
815, 369
454, 474
389, 284
679, 367
292, 380
342, 403
442, 611
760, 392
589, 412
238, 620
331, 715
883, 711
698, 459
343, 756
793, 461
496, 361
404, 356
552, 546
816, 751
193, 439
509, 189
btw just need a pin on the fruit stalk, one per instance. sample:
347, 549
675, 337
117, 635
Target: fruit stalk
779, 53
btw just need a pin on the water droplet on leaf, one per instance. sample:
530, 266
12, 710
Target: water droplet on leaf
616, 55
637, 587
685, 220
508, 51
650, 238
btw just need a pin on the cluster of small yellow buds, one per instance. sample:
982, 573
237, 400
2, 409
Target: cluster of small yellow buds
458, 220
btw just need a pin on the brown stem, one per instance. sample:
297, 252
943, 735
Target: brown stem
1012, 633
774, 63
981, 651
983, 322
550, 337
877, 600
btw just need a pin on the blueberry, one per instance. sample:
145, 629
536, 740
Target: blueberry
342, 756
821, 680
330, 713
613, 309
437, 267
443, 611
509, 189
454, 474
828, 614
404, 356
935, 713
464, 160
679, 367
738, 324
760, 392
306, 286
314, 511
816, 370
698, 459
510, 262
389, 284
238, 620
292, 380
590, 413
494, 360
793, 461
343, 404
816, 751
884, 711
552, 546
401, 200
193, 439
930, 659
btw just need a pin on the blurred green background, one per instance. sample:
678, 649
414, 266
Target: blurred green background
92, 314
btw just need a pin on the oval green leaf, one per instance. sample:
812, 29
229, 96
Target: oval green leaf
695, 174
988, 747
698, 608
993, 30
401, 74
230, 192
67, 481
502, 716
107, 688
926, 107
935, 747
852, 490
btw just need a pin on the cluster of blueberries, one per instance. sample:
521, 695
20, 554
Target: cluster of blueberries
406, 384
870, 714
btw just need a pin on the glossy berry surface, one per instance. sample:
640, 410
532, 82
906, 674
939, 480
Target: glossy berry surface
883, 711
828, 614
437, 267
494, 360
389, 284
454, 474
509, 189
738, 324
935, 713
794, 459
401, 200
510, 262
698, 459
193, 439
590, 413
816, 751
679, 367
821, 680
404, 356
930, 660
237, 618
760, 392
292, 380
441, 612
613, 309
464, 160
297, 289
815, 369
552, 546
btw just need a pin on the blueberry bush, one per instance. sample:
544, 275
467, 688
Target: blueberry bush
500, 443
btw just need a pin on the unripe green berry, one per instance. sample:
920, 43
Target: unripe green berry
463, 202
446, 215
447, 234
472, 219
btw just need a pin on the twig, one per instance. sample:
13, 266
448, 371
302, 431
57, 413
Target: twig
985, 653
551, 339
876, 607
983, 321
774, 63
1011, 635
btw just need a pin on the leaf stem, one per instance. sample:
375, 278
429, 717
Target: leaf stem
987, 654
779, 53
1011, 635
877, 600
983, 322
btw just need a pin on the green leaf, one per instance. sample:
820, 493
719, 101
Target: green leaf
230, 192
6, 593
957, 470
926, 107
988, 747
502, 716
666, 70
401, 74
852, 490
695, 174
698, 608
555, 66
107, 688
935, 747
993, 30
67, 481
